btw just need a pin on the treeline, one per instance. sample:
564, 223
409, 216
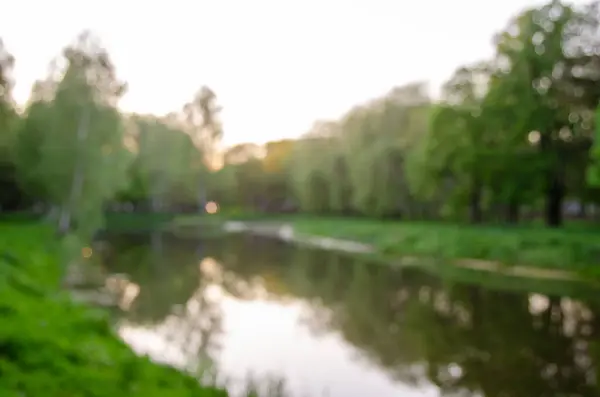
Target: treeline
70, 151
511, 137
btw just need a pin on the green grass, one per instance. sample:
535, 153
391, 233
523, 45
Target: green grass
570, 249
576, 247
53, 347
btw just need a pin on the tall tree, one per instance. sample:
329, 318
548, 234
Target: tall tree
551, 69
72, 139
202, 122
594, 168
10, 193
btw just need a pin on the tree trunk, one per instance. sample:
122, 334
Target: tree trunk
555, 194
158, 190
201, 196
512, 211
64, 223
555, 189
475, 212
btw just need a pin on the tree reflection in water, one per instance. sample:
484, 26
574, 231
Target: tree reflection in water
176, 303
466, 339
176, 316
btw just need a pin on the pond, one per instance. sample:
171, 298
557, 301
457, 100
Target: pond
332, 325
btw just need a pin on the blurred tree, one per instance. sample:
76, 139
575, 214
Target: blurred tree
70, 143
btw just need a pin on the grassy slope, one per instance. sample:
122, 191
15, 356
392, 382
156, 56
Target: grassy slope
50, 346
574, 249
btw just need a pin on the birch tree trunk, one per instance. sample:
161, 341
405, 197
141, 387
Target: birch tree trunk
64, 222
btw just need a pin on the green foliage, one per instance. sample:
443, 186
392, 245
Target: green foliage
53, 347
532, 246
11, 195
509, 137
594, 170
167, 163
70, 143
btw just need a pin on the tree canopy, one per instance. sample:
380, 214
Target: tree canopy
510, 137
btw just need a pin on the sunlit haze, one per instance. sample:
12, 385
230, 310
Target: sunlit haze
276, 66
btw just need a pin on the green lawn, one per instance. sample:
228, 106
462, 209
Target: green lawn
52, 347
569, 248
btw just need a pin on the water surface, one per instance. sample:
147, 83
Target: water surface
330, 325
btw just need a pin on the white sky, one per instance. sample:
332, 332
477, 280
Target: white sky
276, 65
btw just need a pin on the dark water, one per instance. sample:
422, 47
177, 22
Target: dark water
331, 325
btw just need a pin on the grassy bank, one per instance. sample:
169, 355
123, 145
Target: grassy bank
53, 347
576, 249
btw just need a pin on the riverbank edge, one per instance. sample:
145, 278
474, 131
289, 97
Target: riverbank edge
289, 230
394, 249
78, 352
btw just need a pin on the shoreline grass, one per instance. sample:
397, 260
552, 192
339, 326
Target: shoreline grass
574, 248
52, 346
